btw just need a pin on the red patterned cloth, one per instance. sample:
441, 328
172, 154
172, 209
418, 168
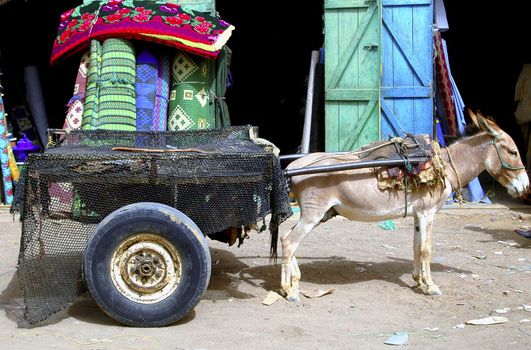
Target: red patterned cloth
445, 85
164, 23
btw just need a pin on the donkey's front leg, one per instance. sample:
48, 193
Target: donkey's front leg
290, 278
416, 253
285, 278
291, 274
422, 253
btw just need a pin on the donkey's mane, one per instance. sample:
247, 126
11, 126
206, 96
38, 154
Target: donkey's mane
470, 130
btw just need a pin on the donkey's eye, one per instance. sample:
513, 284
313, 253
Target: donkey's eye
513, 153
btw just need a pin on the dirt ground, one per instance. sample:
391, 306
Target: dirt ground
478, 261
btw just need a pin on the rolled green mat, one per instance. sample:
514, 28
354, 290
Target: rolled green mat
191, 103
117, 97
113, 98
90, 106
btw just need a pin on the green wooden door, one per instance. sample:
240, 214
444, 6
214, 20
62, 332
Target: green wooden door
352, 73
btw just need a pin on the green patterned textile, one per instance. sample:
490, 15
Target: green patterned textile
89, 108
222, 110
111, 97
191, 104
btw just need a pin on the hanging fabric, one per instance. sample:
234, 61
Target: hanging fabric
441, 21
458, 100
474, 191
4, 157
74, 115
15, 172
61, 194
222, 110
439, 106
445, 86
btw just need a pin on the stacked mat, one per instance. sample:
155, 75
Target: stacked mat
125, 92
191, 96
110, 101
118, 90
165, 23
152, 91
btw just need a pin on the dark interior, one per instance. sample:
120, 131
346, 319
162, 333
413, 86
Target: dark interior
488, 45
271, 53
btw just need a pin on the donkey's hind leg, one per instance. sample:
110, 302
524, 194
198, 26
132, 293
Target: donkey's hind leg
291, 274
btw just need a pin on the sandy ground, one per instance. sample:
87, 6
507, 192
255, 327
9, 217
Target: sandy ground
369, 270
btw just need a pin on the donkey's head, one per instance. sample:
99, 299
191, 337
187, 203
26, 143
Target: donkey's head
503, 160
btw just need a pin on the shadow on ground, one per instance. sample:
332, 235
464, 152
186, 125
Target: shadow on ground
228, 272
497, 234
336, 270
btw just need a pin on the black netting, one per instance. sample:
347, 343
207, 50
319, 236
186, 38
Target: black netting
220, 178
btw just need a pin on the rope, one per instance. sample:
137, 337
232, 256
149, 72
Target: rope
177, 83
151, 150
405, 196
409, 169
458, 193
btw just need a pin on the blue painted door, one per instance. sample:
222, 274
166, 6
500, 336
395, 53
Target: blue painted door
407, 68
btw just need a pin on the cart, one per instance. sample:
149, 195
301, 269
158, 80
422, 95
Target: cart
125, 215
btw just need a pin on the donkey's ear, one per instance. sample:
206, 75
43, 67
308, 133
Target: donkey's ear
488, 125
474, 118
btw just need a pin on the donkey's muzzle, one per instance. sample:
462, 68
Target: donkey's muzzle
519, 186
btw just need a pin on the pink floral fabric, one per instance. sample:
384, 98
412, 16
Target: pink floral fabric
167, 23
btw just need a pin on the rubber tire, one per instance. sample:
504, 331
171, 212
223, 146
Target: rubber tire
153, 218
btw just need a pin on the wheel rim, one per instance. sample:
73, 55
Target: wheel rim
146, 268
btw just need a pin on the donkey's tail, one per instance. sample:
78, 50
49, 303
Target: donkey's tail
273, 254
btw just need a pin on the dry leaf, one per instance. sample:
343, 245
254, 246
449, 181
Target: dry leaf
488, 320
502, 311
271, 298
319, 293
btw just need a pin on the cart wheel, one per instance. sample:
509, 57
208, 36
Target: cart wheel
147, 264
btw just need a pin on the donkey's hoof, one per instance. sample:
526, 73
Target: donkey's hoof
433, 290
421, 287
294, 298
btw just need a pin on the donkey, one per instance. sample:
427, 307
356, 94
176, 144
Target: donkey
354, 194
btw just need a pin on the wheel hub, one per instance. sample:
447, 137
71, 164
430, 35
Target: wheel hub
144, 271
146, 268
